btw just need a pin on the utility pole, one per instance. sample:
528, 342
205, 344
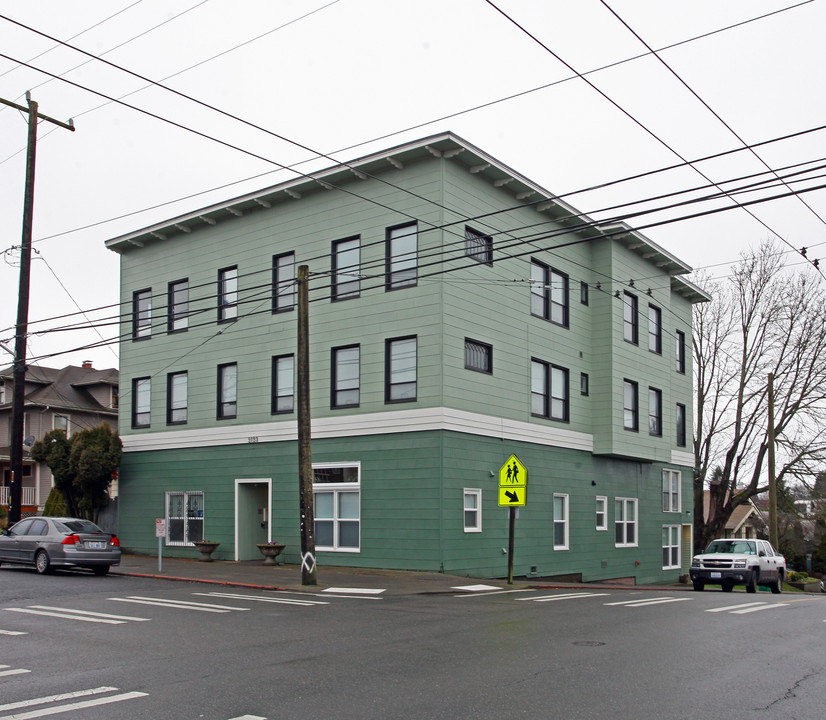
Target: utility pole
22, 327
305, 457
772, 475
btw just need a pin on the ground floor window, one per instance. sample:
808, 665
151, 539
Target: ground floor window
473, 510
560, 522
602, 513
184, 517
625, 522
337, 501
671, 547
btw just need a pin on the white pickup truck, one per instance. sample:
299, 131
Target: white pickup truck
739, 562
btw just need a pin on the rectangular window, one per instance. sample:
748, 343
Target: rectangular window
401, 249
549, 293
584, 384
549, 390
346, 266
602, 513
228, 294
184, 517
337, 501
671, 547
141, 314
400, 370
680, 425
560, 522
671, 491
478, 356
655, 330
178, 306
345, 380
583, 293
227, 391
630, 394
680, 351
140, 402
115, 396
62, 422
2, 393
283, 282
472, 506
630, 318
478, 246
283, 384
176, 398
655, 412
625, 522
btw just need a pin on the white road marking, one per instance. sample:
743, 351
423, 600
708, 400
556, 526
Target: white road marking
354, 591
475, 588
5, 671
772, 606
567, 596
729, 608
12, 632
496, 592
249, 717
56, 698
92, 614
73, 706
179, 604
259, 598
648, 601
66, 616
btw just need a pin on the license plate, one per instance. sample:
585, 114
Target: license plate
716, 575
96, 545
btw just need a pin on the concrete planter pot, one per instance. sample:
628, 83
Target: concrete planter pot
206, 549
271, 551
813, 586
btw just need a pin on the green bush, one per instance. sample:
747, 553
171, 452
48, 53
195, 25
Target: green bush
55, 504
799, 577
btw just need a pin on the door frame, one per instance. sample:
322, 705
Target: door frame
253, 481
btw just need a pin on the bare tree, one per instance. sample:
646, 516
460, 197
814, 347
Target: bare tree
763, 319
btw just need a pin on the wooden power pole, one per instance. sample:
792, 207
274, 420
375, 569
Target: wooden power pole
22, 327
772, 472
305, 456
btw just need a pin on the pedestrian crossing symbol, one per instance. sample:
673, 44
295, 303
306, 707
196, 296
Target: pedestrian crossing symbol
513, 483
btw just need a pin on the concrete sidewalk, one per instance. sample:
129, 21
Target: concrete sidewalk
254, 574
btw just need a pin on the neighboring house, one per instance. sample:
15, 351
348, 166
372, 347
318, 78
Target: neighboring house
69, 399
459, 314
747, 520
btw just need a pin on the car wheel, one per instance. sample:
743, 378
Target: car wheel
42, 563
728, 587
777, 585
100, 569
751, 585
699, 585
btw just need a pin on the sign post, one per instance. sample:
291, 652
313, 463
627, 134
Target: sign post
160, 533
513, 493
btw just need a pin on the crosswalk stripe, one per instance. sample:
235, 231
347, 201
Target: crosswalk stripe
568, 596
258, 598
12, 632
56, 698
729, 608
641, 602
494, 592
92, 614
73, 706
249, 717
179, 604
772, 606
4, 670
66, 616
354, 591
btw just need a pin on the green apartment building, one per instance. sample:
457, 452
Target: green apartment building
459, 314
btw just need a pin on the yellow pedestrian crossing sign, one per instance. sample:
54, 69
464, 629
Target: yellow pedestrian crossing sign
513, 483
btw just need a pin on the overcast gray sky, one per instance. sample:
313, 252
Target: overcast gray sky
369, 74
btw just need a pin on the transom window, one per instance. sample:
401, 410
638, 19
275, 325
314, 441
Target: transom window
141, 314
625, 522
401, 249
671, 491
346, 261
337, 503
478, 356
478, 246
549, 293
549, 390
283, 282
472, 506
184, 517
228, 294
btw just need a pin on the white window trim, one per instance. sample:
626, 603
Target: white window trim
668, 478
604, 499
476, 492
336, 488
565, 522
679, 530
68, 423
633, 502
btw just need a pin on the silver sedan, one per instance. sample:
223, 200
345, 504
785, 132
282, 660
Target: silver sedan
48, 543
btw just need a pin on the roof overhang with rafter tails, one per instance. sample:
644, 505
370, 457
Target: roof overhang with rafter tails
444, 145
